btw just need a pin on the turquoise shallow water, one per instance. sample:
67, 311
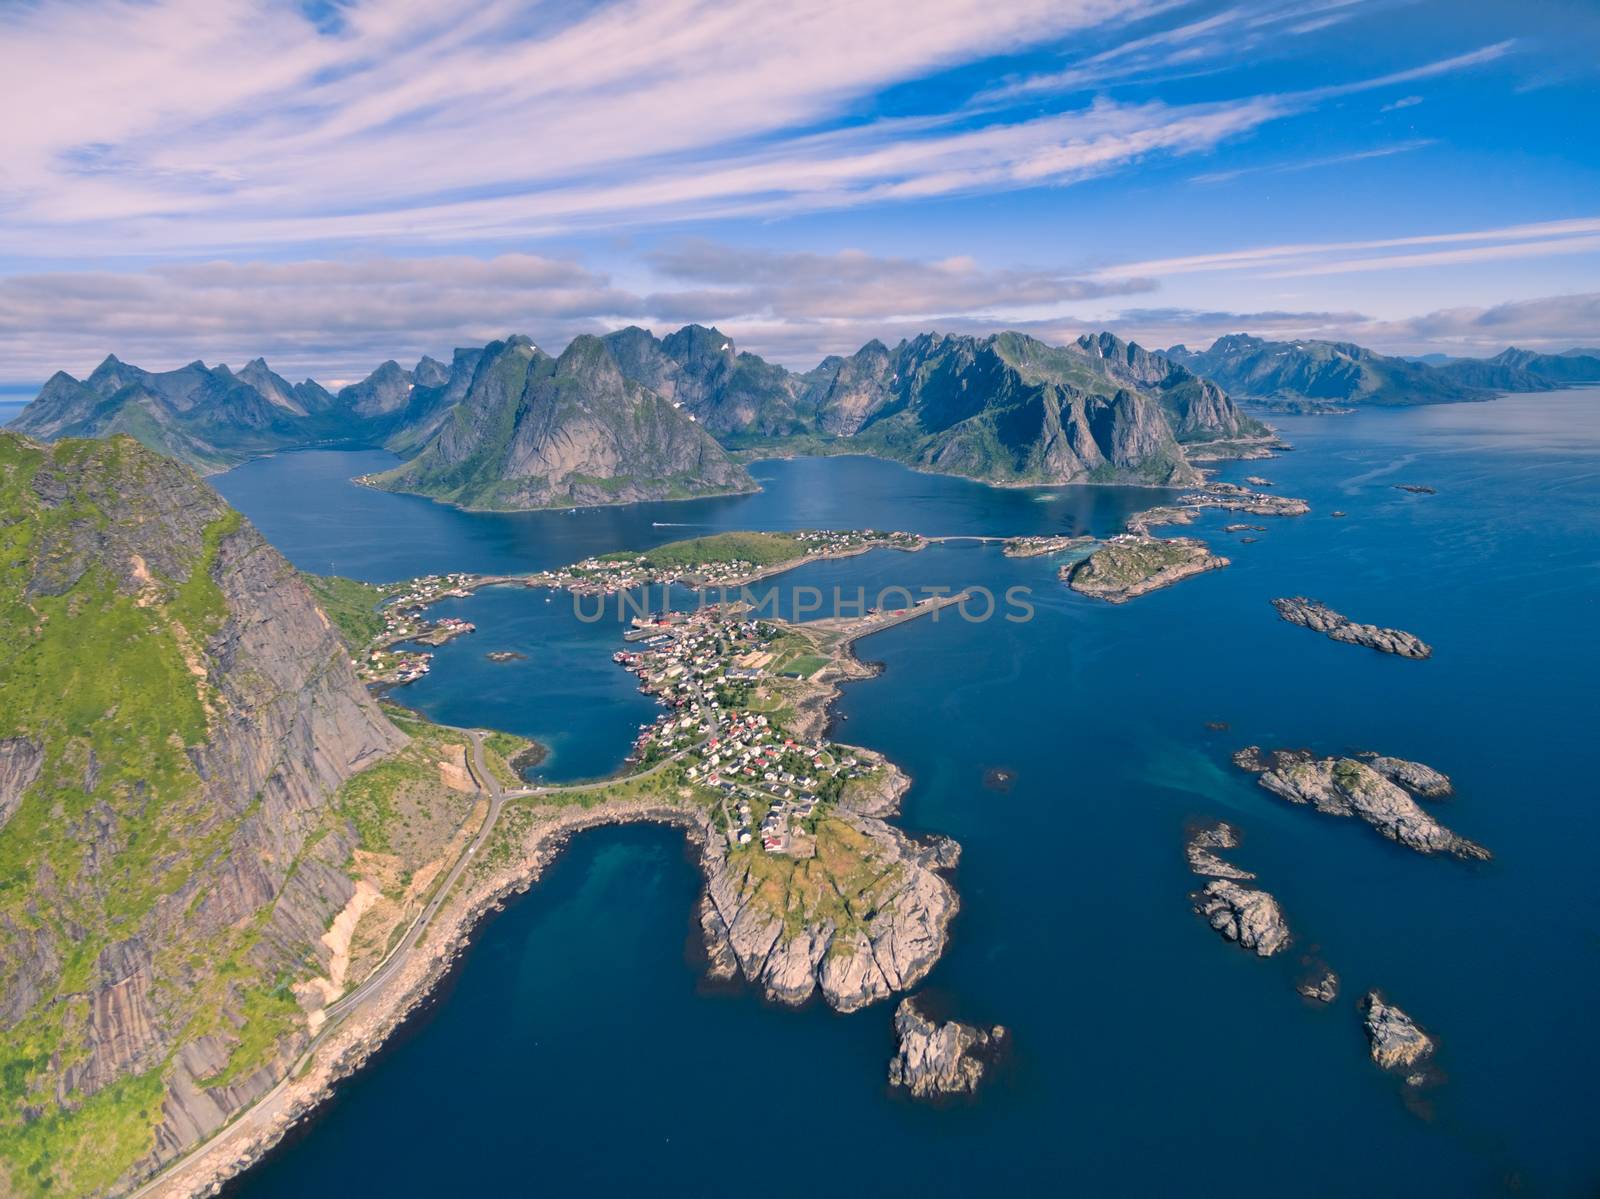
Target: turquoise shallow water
574, 1048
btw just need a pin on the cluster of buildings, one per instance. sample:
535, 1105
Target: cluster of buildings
617, 573
769, 784
403, 620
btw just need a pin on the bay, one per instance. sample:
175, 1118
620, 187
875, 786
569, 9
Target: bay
574, 1049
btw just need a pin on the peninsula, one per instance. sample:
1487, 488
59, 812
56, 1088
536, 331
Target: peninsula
809, 889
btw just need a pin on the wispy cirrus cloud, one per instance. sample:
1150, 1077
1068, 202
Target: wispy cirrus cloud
1311, 164
227, 122
1202, 45
241, 126
1580, 235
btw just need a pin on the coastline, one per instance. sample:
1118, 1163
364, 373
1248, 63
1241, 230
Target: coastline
312, 1080
313, 1077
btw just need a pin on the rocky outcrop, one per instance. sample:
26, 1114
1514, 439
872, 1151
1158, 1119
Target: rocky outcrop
1322, 619
1395, 1040
939, 1059
1348, 787
1319, 983
1250, 918
1130, 566
853, 963
20, 760
1203, 860
1415, 777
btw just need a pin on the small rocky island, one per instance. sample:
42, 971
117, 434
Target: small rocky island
505, 655
1129, 566
1372, 790
1233, 498
1320, 618
1202, 858
1319, 983
940, 1059
1250, 918
1396, 1042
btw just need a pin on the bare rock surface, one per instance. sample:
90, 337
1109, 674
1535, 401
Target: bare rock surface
1415, 777
1322, 619
1348, 787
890, 948
1320, 983
1202, 859
938, 1059
1396, 1041
1250, 918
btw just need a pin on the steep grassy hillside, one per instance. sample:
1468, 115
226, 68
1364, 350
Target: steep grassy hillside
192, 785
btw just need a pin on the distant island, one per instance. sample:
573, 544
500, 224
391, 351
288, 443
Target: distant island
1312, 376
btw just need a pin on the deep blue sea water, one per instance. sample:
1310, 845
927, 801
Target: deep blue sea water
574, 1049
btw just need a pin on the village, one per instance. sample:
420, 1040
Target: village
720, 560
706, 668
404, 622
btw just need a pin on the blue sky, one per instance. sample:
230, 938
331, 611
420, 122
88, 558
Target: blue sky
335, 184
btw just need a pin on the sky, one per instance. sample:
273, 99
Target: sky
335, 184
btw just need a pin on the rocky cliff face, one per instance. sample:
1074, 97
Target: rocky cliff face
175, 716
533, 431
1196, 408
1004, 408
854, 960
700, 370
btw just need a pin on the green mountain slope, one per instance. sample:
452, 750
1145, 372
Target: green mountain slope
192, 783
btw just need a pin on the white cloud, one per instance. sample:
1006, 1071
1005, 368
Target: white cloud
1549, 323
1311, 258
1402, 102
853, 287
1192, 47
1310, 164
224, 122
336, 319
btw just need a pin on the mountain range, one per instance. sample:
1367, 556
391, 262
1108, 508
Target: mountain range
1317, 373
630, 416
